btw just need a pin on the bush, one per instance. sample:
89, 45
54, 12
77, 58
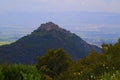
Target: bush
109, 76
19, 72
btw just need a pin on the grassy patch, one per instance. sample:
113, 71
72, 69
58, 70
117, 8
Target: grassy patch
5, 42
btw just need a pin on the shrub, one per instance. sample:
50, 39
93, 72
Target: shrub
19, 72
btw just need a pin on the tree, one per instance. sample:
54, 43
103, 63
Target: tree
53, 63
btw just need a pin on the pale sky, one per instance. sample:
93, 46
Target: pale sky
59, 5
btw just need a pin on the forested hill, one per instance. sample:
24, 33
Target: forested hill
47, 36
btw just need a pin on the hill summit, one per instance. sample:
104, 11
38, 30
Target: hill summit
47, 36
48, 26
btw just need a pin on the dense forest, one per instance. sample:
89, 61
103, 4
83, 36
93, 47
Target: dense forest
48, 35
57, 65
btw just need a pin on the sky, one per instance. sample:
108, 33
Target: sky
90, 15
59, 5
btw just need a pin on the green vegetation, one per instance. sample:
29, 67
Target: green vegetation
93, 67
97, 66
57, 65
108, 76
53, 64
5, 42
18, 72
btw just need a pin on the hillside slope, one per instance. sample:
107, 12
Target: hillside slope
47, 36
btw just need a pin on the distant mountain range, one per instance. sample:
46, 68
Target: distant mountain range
47, 36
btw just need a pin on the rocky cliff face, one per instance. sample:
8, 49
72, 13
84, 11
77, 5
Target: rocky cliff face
47, 36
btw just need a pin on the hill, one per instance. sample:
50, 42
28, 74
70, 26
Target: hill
47, 36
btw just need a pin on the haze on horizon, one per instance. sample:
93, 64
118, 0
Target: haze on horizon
101, 16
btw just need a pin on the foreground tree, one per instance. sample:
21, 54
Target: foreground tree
53, 63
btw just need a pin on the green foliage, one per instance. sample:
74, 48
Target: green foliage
30, 73
53, 63
19, 72
108, 76
1, 74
